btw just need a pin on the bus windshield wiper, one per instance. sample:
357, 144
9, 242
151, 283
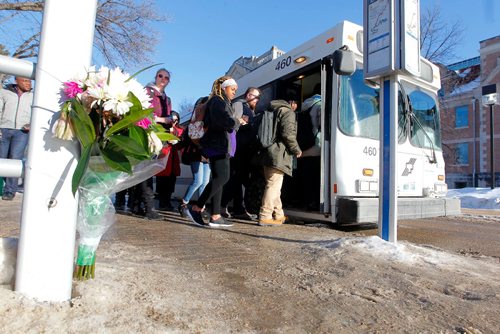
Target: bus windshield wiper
415, 119
409, 111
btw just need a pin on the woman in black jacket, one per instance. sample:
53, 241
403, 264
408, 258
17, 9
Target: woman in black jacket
217, 146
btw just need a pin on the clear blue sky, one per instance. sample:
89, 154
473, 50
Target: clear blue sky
204, 37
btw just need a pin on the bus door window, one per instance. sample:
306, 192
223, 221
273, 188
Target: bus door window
425, 129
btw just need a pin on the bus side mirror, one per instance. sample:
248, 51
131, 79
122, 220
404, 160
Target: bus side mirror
344, 62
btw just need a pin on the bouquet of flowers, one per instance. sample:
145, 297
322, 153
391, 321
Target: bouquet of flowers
109, 113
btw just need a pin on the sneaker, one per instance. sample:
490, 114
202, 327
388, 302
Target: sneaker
245, 216
196, 217
138, 211
183, 210
153, 215
8, 196
282, 219
270, 222
220, 222
225, 213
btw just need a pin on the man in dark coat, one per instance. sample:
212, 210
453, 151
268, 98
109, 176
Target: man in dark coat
277, 160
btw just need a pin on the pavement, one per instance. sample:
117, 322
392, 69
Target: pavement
281, 279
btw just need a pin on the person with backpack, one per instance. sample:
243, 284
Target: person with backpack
277, 158
240, 165
216, 144
200, 167
308, 137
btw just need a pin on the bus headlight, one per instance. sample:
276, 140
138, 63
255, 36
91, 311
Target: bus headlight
364, 186
367, 172
441, 189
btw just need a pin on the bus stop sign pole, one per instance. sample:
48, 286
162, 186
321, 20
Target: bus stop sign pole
388, 208
391, 32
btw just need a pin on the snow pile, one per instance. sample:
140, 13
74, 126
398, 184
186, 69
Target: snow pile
411, 255
395, 252
477, 198
8, 256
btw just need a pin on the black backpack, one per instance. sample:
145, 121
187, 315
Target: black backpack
305, 135
266, 129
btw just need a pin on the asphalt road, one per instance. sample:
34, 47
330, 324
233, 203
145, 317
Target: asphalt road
475, 232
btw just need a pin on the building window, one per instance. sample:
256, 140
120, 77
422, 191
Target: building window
462, 154
461, 117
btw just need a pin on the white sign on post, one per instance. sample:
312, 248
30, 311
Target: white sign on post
378, 38
410, 36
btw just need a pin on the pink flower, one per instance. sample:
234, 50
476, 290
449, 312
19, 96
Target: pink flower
144, 123
72, 89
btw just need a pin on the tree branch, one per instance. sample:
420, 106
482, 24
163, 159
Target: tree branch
28, 6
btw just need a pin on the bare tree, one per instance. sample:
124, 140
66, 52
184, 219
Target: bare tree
439, 40
123, 35
185, 109
3, 50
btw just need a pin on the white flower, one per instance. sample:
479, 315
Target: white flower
62, 128
117, 107
141, 93
154, 143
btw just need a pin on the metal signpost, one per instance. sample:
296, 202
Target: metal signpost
391, 44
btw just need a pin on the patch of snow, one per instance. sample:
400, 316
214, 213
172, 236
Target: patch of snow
477, 198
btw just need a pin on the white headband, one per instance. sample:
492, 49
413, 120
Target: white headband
228, 82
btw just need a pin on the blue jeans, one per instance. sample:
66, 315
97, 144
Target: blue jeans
201, 177
12, 146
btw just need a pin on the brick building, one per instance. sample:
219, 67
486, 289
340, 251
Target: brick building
466, 122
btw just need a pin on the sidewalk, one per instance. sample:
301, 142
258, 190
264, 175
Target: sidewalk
172, 276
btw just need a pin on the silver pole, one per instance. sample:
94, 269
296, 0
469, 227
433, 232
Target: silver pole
11, 168
17, 67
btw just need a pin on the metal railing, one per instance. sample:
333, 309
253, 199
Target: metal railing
26, 69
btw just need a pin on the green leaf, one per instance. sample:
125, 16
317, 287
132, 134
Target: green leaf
80, 169
109, 77
136, 104
116, 159
162, 134
82, 123
128, 120
140, 136
165, 136
140, 71
129, 145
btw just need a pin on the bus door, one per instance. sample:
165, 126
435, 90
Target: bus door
328, 122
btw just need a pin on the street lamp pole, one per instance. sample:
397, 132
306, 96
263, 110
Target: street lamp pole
490, 98
492, 163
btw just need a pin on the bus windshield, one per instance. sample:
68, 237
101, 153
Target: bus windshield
359, 112
425, 130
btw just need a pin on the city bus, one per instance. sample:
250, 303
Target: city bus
349, 140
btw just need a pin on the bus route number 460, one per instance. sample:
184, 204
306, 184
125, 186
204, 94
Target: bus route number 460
372, 151
285, 62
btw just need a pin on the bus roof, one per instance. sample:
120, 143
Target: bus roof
324, 44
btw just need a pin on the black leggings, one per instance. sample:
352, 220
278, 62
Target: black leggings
213, 190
